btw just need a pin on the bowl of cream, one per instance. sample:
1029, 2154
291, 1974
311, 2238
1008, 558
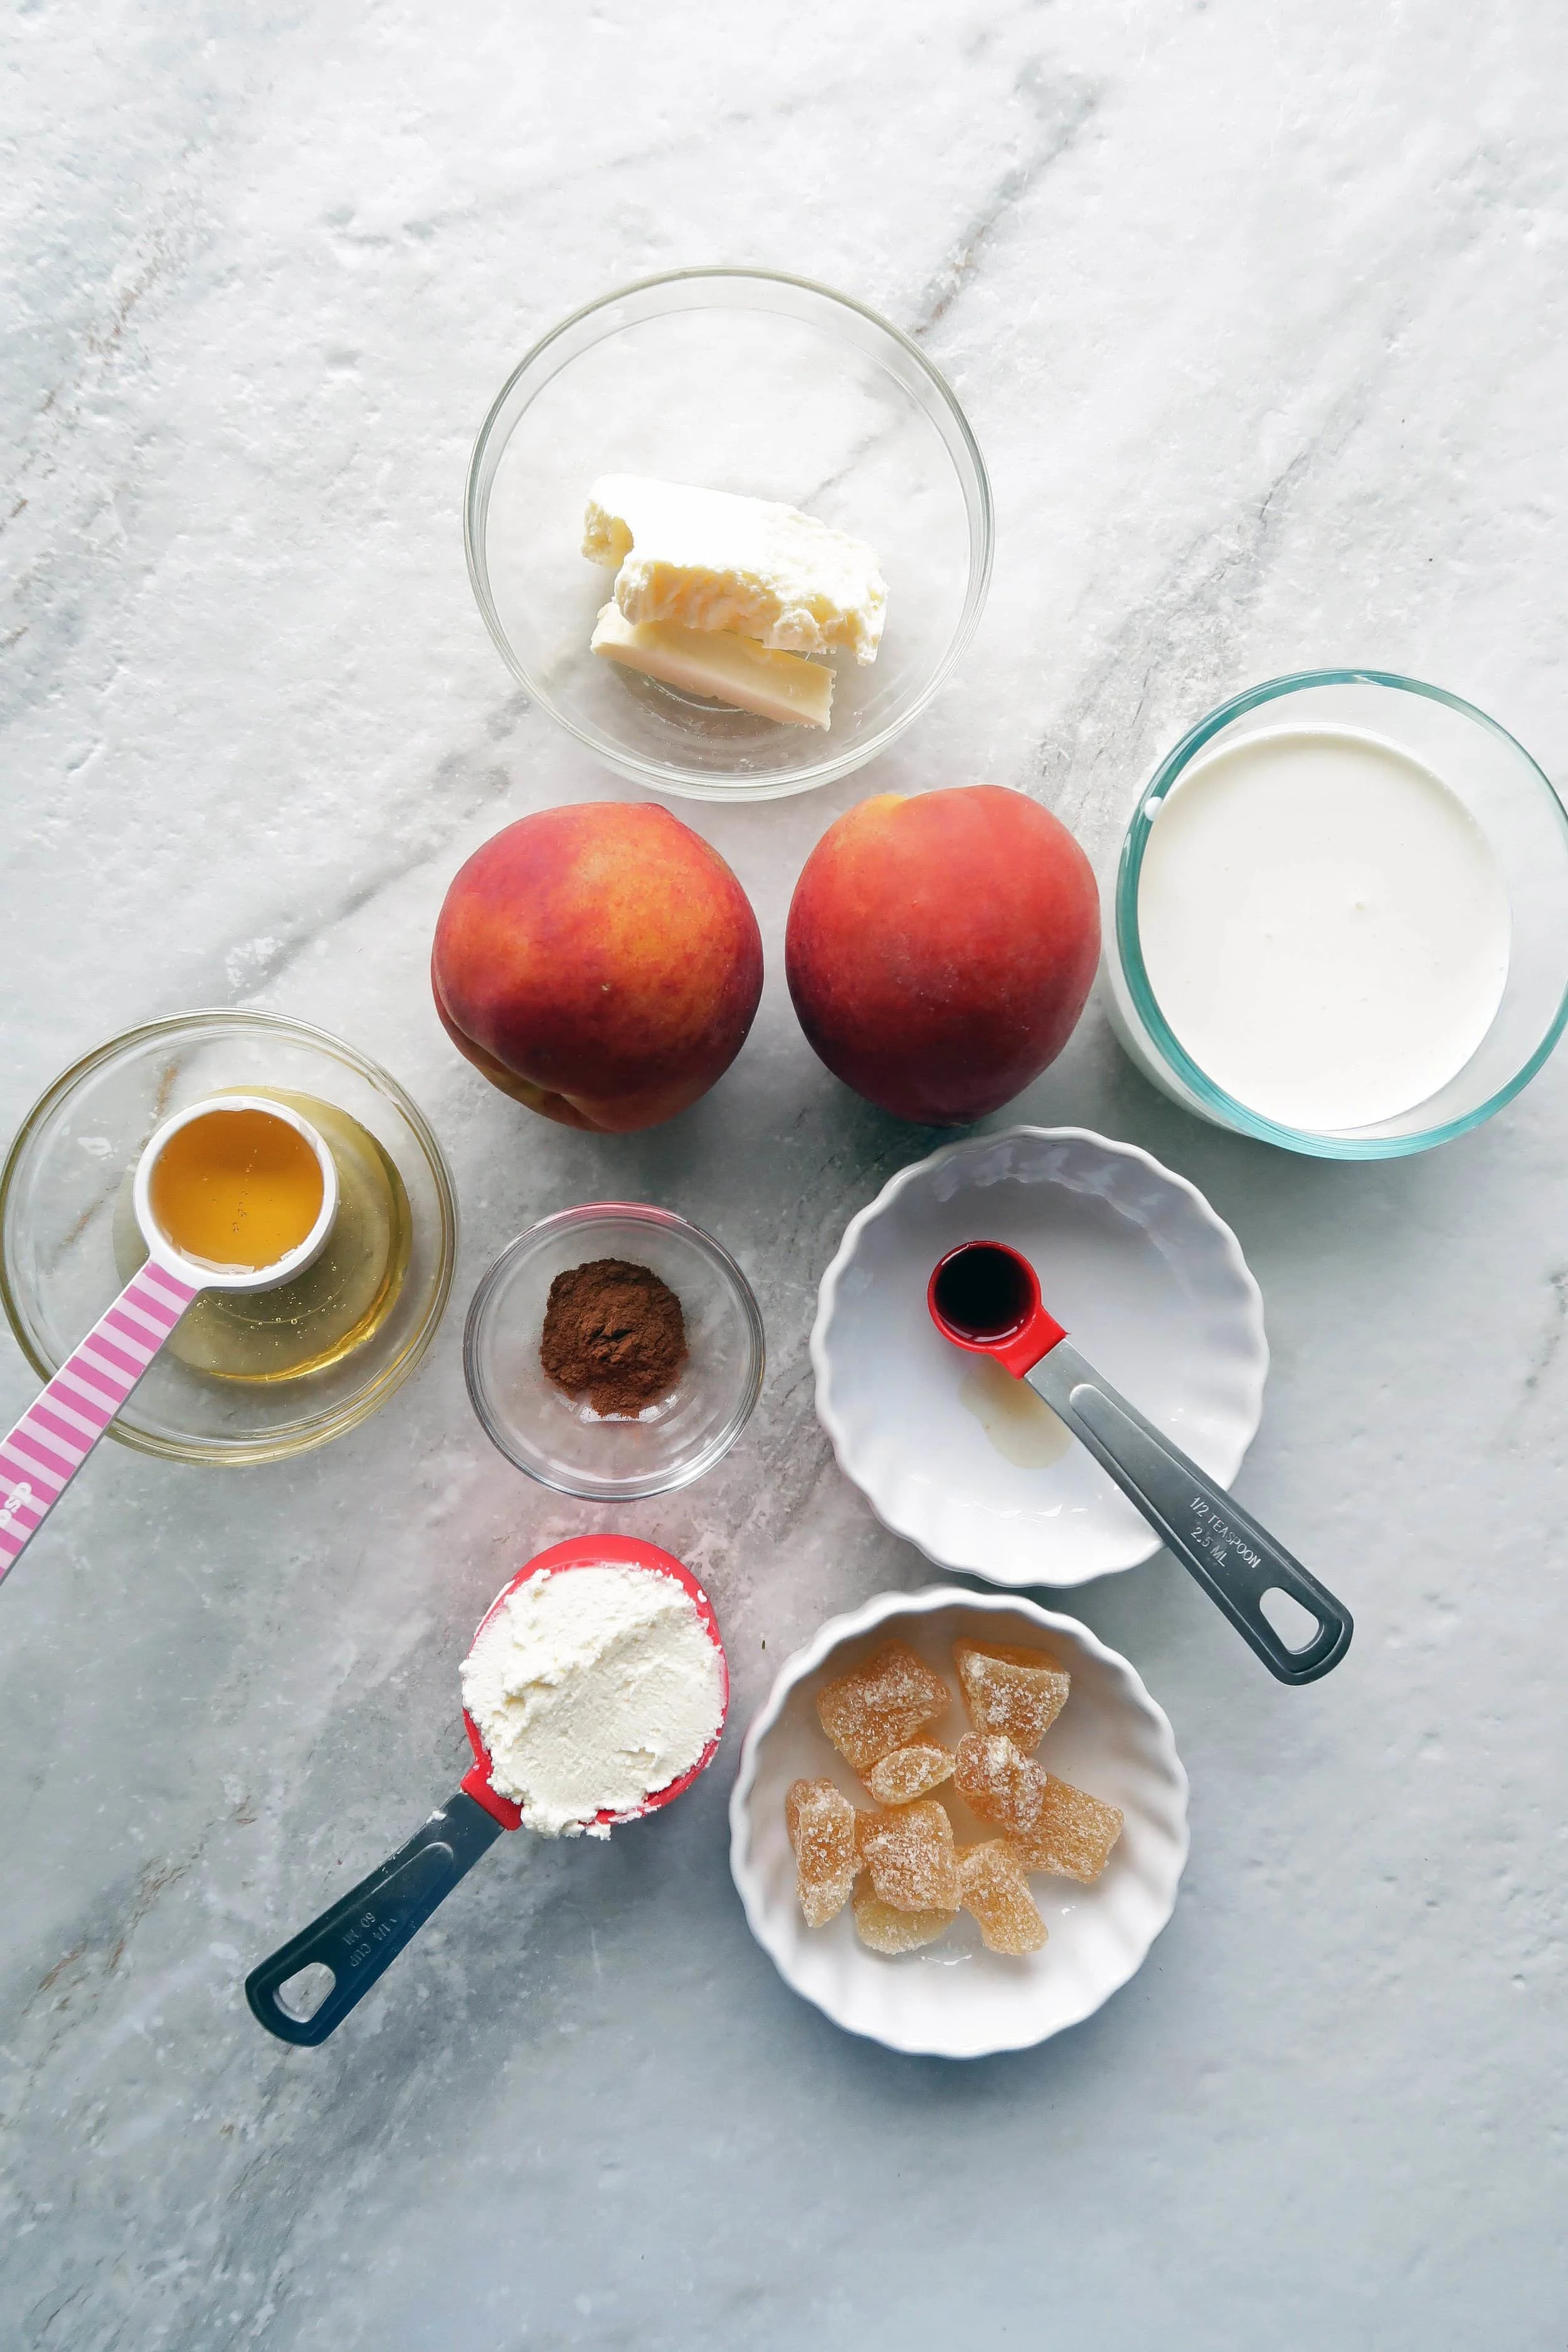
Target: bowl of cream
1340, 919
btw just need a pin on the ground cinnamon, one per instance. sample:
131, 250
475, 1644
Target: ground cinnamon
613, 1333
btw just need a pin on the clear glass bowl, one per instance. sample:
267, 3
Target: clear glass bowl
1515, 807
560, 1441
733, 380
62, 1219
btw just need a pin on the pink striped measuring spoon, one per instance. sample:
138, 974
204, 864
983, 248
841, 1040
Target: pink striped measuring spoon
54, 1437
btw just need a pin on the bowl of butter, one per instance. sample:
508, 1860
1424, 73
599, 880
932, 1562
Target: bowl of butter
732, 531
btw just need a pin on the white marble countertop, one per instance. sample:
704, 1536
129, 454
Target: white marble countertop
1259, 315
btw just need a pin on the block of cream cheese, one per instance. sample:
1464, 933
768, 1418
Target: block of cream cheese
721, 666
707, 560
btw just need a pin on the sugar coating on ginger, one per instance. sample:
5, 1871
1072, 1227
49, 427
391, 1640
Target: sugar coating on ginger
909, 1856
1055, 1827
881, 1705
992, 1885
910, 1772
1073, 1836
887, 1930
1007, 1688
1001, 1783
821, 1824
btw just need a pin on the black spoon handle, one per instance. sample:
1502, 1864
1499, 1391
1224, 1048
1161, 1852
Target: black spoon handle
1235, 1559
361, 1936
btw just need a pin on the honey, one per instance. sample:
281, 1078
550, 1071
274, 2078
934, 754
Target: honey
314, 1320
236, 1189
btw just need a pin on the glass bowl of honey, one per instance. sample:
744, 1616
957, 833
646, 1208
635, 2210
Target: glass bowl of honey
249, 1376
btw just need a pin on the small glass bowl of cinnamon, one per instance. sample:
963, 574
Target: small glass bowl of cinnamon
614, 1350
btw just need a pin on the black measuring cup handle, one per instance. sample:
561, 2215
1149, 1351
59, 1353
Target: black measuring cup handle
1222, 1547
359, 1937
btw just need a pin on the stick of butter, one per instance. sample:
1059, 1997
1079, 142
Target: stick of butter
707, 560
725, 668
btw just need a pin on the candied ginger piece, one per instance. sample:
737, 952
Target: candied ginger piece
896, 1932
821, 1823
1002, 1784
881, 1705
1073, 1835
992, 1884
909, 1855
887, 1930
1011, 1689
1054, 1826
910, 1772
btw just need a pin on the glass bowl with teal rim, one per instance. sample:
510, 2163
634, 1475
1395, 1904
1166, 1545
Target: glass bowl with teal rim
1523, 823
746, 381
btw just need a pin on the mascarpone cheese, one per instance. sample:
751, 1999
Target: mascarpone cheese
592, 1688
708, 559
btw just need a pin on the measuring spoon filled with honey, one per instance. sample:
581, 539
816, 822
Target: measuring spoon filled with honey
237, 1193
291, 1330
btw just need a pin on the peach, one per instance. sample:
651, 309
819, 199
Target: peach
939, 950
600, 963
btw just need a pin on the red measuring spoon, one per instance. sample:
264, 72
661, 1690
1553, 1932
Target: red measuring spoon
357, 1940
985, 1297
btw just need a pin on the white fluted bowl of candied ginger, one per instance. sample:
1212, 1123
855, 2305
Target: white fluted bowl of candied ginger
959, 1824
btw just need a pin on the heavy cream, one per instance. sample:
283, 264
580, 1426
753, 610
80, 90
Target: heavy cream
1324, 926
593, 1688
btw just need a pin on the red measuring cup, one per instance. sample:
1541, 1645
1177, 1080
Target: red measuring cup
985, 1297
357, 1940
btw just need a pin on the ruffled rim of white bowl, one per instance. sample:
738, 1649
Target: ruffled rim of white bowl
904, 1524
1162, 1887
